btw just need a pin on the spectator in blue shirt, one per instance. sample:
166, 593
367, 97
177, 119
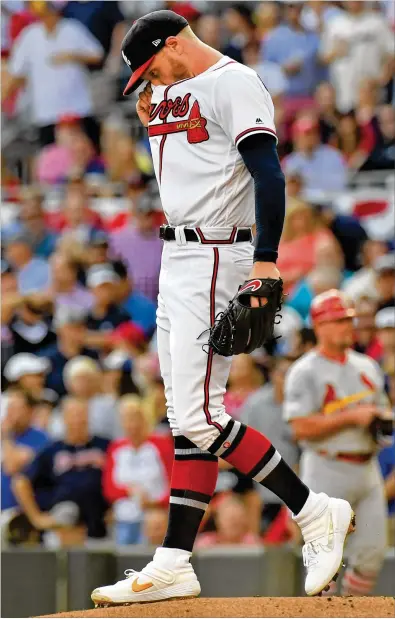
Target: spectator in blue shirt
106, 314
70, 325
387, 465
141, 310
321, 167
295, 50
20, 442
64, 472
33, 274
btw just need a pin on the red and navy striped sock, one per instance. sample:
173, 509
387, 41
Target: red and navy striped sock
193, 482
252, 454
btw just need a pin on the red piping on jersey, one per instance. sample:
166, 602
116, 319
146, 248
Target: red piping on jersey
205, 241
264, 129
210, 354
162, 143
224, 65
339, 358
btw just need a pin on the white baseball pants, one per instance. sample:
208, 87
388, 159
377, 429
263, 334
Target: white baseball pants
196, 282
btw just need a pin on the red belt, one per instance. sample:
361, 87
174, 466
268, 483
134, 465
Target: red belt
358, 458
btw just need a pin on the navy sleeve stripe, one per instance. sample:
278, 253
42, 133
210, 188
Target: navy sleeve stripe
252, 129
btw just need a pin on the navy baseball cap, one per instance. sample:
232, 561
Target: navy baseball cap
145, 39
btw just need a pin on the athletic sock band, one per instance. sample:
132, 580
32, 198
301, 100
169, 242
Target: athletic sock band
193, 482
252, 454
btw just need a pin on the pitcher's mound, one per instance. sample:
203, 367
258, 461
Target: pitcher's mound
250, 607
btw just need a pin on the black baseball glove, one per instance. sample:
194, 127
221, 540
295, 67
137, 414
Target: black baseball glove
242, 328
381, 428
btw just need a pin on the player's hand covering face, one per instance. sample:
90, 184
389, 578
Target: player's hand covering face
144, 103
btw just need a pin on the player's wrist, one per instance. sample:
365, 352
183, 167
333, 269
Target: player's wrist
265, 255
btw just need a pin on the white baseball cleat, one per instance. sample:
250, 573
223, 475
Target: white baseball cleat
325, 536
152, 584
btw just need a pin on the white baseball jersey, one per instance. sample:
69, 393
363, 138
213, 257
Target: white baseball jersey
194, 129
317, 384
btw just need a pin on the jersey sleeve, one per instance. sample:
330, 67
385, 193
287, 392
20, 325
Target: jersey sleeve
242, 105
299, 398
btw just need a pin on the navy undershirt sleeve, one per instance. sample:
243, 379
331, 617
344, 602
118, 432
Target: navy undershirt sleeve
259, 154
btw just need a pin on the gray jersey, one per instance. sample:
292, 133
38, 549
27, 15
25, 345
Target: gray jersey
317, 384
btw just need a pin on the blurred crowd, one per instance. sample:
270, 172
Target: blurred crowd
86, 448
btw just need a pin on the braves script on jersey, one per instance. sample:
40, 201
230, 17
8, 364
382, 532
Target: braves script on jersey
194, 128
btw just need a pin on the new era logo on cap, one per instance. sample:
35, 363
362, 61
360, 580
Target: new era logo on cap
125, 59
156, 42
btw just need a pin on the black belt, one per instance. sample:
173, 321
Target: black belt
168, 233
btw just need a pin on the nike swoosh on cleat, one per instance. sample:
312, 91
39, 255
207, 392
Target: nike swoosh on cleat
138, 588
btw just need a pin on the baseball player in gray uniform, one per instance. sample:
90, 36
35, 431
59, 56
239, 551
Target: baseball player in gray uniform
213, 142
333, 397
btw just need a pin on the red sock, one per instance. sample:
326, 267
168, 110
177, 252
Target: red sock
193, 482
254, 455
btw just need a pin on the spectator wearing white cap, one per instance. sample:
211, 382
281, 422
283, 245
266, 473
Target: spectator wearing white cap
105, 315
384, 268
28, 372
385, 326
70, 325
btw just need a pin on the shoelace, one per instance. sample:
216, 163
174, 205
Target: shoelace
309, 553
129, 573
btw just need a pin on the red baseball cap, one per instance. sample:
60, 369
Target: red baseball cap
128, 332
302, 125
69, 119
145, 39
331, 306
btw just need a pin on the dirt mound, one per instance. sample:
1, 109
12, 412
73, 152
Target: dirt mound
250, 607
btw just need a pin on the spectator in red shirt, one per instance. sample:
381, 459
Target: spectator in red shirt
137, 471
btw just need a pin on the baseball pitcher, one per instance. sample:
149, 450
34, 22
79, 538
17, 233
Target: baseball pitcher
213, 141
338, 410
